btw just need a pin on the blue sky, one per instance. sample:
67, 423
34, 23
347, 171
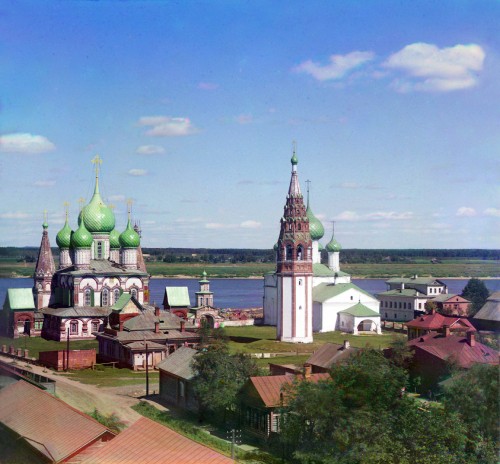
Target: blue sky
193, 106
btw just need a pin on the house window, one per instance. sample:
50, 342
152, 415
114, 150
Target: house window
116, 294
87, 297
182, 389
395, 316
133, 292
352, 298
386, 316
99, 250
289, 253
299, 253
409, 305
73, 327
105, 297
95, 326
300, 281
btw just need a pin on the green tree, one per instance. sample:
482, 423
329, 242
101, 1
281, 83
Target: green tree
219, 376
476, 292
474, 396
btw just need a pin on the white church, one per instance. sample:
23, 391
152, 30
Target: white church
303, 295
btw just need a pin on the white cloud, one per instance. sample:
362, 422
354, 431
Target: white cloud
244, 119
207, 86
117, 198
389, 216
465, 211
348, 216
150, 150
250, 224
495, 212
138, 172
338, 66
165, 126
14, 215
44, 183
429, 68
25, 143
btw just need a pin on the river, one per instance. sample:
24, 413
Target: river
242, 293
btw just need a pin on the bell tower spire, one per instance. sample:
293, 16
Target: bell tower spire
44, 270
294, 267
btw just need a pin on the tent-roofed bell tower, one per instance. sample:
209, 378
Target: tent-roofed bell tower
44, 270
294, 268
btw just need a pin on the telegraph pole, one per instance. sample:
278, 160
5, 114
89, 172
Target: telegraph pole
147, 371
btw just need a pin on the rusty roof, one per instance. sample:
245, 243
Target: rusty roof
147, 442
270, 387
456, 348
48, 424
329, 354
437, 321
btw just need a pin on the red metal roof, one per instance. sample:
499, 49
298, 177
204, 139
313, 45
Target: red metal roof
147, 442
437, 321
270, 387
456, 348
48, 424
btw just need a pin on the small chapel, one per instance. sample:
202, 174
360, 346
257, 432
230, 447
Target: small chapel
303, 295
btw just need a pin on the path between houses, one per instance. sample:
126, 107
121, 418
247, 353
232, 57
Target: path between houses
86, 398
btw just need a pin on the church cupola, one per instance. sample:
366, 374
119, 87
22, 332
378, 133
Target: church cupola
63, 240
316, 230
204, 297
333, 248
294, 267
81, 243
44, 270
129, 242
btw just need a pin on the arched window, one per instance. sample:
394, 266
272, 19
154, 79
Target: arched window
289, 253
73, 327
133, 292
105, 297
116, 294
87, 297
300, 251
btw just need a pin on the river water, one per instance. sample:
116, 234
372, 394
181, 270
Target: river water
242, 293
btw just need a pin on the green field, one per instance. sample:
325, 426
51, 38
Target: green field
422, 267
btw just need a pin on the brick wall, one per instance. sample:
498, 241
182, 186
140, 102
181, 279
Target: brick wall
78, 359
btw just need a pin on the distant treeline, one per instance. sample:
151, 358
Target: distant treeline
247, 255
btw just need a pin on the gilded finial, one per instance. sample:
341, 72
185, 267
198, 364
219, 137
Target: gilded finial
129, 207
66, 209
96, 161
81, 202
308, 182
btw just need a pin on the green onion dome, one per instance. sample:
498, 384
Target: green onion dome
333, 246
99, 218
294, 159
315, 227
129, 238
320, 247
63, 237
114, 239
81, 237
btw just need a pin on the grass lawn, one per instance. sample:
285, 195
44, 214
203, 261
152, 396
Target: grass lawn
107, 376
37, 344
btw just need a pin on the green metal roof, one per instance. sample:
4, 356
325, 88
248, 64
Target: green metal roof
19, 299
122, 301
405, 292
325, 291
97, 216
320, 270
415, 280
178, 296
360, 310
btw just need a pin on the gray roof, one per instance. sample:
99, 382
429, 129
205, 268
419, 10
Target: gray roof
402, 293
179, 363
415, 280
491, 309
138, 335
330, 353
103, 267
146, 321
142, 346
85, 311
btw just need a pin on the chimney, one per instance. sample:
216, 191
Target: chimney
471, 338
307, 371
157, 311
446, 330
157, 327
183, 325
433, 311
346, 344
120, 324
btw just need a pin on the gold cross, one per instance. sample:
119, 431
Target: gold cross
129, 204
44, 215
97, 161
81, 201
110, 206
66, 208
294, 146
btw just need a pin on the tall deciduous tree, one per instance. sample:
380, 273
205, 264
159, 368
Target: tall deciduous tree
476, 292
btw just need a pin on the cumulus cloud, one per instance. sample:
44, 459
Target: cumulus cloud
25, 143
494, 212
207, 86
337, 67
150, 150
166, 126
350, 216
466, 211
44, 183
425, 67
138, 172
14, 215
250, 224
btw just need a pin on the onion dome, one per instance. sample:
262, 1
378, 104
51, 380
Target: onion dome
81, 237
333, 246
63, 237
294, 159
320, 247
99, 218
129, 238
316, 229
114, 239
